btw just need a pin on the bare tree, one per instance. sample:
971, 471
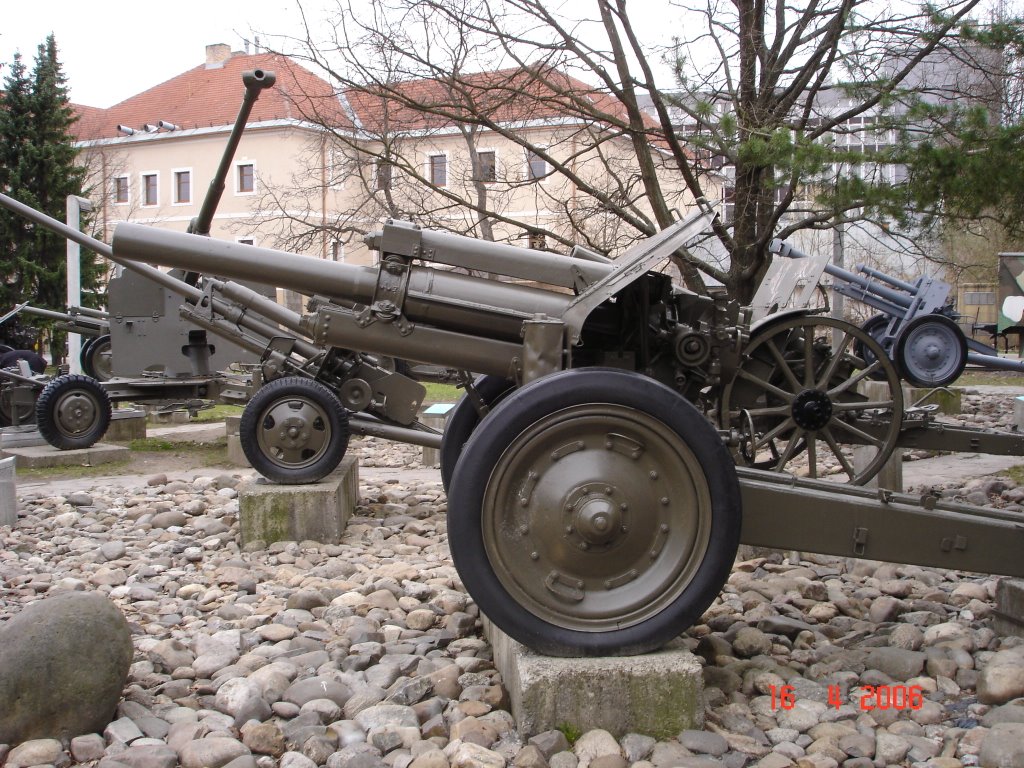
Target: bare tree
767, 88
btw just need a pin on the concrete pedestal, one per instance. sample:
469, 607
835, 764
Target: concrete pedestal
236, 455
18, 437
948, 400
890, 476
436, 416
658, 694
164, 418
1009, 614
126, 425
314, 512
39, 456
8, 493
1018, 412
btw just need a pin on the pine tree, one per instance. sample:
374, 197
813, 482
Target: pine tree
37, 167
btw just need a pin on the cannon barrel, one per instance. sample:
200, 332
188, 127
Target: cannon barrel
452, 301
867, 287
893, 281
255, 81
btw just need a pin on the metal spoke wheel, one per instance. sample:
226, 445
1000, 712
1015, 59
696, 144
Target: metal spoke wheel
294, 430
931, 351
95, 358
795, 399
73, 412
596, 513
464, 418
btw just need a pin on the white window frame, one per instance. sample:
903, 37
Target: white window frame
447, 169
191, 186
494, 151
142, 189
128, 189
237, 174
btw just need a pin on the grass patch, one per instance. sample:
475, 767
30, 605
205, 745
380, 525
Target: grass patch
571, 732
991, 378
72, 471
217, 413
152, 444
1016, 474
442, 393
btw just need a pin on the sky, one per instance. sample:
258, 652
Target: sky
131, 47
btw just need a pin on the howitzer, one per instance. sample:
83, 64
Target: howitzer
594, 503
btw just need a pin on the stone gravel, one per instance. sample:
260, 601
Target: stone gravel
369, 653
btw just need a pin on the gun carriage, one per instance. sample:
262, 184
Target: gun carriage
595, 504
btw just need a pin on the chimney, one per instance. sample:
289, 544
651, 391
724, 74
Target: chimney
217, 54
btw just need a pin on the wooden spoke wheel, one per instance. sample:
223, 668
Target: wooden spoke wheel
795, 399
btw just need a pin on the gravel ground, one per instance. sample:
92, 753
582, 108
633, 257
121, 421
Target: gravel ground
369, 653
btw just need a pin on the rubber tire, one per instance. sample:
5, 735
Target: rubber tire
900, 347
36, 362
464, 419
294, 387
549, 395
868, 326
48, 404
88, 356
83, 355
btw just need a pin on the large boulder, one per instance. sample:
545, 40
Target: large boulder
64, 664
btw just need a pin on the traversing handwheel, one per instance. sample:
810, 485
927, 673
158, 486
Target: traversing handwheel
795, 397
73, 412
595, 512
464, 418
294, 430
931, 351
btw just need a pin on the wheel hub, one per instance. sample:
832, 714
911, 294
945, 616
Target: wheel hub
77, 412
812, 409
594, 517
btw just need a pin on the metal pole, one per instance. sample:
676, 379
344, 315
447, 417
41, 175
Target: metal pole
74, 208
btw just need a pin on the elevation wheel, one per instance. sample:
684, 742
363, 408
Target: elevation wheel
294, 430
73, 412
931, 351
95, 358
597, 513
795, 397
464, 418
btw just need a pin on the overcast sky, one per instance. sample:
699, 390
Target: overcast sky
130, 47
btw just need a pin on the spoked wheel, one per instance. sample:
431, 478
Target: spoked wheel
464, 418
294, 430
794, 398
931, 351
597, 513
73, 412
95, 358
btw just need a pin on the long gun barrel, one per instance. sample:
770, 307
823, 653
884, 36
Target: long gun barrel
255, 81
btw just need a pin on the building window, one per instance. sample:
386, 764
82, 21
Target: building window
382, 178
488, 166
246, 241
182, 187
246, 178
150, 189
537, 167
439, 170
538, 241
121, 190
337, 250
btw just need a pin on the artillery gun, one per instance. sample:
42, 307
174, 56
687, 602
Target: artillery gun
594, 501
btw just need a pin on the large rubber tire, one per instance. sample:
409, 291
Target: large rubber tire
874, 327
594, 512
294, 430
73, 412
463, 420
931, 351
36, 362
95, 358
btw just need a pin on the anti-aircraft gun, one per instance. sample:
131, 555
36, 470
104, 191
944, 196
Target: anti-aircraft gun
594, 502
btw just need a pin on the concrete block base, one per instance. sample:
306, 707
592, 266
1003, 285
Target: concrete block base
1009, 614
126, 425
236, 456
890, 476
949, 401
1018, 412
314, 512
18, 437
8, 493
658, 694
163, 418
39, 456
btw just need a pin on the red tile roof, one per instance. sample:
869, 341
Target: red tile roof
205, 97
